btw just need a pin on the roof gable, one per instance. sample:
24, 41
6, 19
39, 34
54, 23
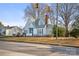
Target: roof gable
39, 23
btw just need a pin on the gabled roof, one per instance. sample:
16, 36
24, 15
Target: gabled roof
41, 25
29, 22
38, 23
10, 27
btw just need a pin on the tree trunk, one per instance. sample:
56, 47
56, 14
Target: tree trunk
66, 28
66, 31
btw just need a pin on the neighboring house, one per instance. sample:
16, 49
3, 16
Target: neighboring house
38, 27
13, 31
2, 29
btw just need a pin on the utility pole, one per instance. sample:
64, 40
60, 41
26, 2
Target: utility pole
56, 21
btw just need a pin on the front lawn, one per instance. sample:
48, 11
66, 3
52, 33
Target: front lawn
45, 40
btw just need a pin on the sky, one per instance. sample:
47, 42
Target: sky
12, 14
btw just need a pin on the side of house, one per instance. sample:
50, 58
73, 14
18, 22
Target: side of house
13, 31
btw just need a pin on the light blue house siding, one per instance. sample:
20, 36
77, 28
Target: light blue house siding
37, 28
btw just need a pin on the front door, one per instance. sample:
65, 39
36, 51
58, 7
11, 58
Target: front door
31, 31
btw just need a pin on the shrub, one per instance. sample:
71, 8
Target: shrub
74, 33
61, 31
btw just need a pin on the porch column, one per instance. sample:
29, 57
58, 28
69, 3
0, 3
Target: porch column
42, 32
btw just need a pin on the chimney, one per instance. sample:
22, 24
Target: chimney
47, 12
46, 19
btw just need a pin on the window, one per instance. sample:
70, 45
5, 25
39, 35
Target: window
30, 30
40, 31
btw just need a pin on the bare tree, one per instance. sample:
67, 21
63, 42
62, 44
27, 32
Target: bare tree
29, 12
67, 11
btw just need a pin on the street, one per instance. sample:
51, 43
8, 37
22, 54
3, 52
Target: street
31, 49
